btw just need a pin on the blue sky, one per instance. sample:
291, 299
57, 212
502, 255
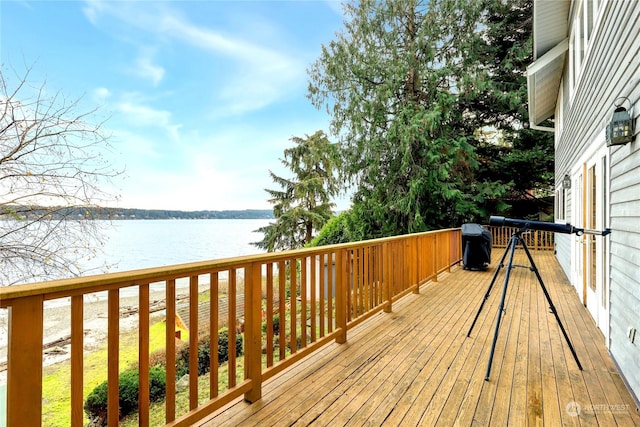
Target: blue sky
202, 97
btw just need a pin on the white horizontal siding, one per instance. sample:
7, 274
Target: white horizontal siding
611, 69
563, 252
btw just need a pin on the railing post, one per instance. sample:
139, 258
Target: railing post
253, 330
341, 297
24, 362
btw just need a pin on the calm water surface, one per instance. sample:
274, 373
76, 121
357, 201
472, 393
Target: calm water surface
134, 244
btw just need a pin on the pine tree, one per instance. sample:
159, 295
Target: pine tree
303, 203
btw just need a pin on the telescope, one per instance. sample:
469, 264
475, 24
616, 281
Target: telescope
525, 224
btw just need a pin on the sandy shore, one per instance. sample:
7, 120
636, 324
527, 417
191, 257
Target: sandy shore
57, 324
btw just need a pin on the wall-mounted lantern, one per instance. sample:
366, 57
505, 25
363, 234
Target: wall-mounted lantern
620, 129
566, 182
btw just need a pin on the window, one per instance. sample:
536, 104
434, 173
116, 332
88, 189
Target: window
561, 210
581, 33
559, 114
588, 21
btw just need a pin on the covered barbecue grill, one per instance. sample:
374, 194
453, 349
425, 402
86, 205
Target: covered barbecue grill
476, 247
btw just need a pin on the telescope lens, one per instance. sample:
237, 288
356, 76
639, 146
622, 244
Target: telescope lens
497, 221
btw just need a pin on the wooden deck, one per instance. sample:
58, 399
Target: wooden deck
416, 366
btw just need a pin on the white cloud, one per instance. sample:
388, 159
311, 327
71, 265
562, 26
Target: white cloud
256, 75
262, 75
142, 115
101, 93
335, 5
147, 70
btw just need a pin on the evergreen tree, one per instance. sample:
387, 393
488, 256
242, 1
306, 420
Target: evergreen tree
390, 83
516, 163
303, 204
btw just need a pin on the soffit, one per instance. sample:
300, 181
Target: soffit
550, 24
543, 82
550, 45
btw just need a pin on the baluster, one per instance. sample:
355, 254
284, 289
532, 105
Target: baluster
303, 300
282, 310
193, 342
143, 355
324, 261
332, 273
214, 313
293, 272
231, 332
313, 283
269, 315
170, 346
341, 295
386, 276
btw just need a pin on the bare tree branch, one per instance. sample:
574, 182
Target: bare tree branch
52, 158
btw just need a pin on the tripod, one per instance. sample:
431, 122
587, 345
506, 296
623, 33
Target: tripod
511, 248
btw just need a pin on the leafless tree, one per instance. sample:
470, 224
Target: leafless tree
54, 173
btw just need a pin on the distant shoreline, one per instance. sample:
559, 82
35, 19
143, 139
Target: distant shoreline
101, 213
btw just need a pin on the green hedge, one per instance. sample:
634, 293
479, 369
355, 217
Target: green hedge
96, 404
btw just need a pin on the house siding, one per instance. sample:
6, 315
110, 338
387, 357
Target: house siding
563, 252
610, 69
625, 259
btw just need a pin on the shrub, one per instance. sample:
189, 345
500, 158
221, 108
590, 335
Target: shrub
223, 345
96, 404
276, 325
336, 230
158, 358
204, 353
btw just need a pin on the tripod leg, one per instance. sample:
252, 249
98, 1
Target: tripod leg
512, 244
486, 295
551, 306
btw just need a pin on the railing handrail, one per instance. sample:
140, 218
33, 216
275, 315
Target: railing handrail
61, 288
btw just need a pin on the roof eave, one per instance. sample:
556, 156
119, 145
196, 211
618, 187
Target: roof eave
543, 83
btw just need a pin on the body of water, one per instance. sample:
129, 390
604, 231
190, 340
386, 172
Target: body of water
134, 244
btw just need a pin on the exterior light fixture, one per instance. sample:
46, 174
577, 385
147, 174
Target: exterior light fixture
620, 129
566, 182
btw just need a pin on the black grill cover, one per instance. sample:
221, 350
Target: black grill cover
476, 247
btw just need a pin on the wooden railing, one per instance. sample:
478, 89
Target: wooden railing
295, 302
535, 239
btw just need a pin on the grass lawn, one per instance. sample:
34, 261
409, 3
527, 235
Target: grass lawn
56, 391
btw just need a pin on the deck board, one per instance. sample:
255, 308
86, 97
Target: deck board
416, 365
